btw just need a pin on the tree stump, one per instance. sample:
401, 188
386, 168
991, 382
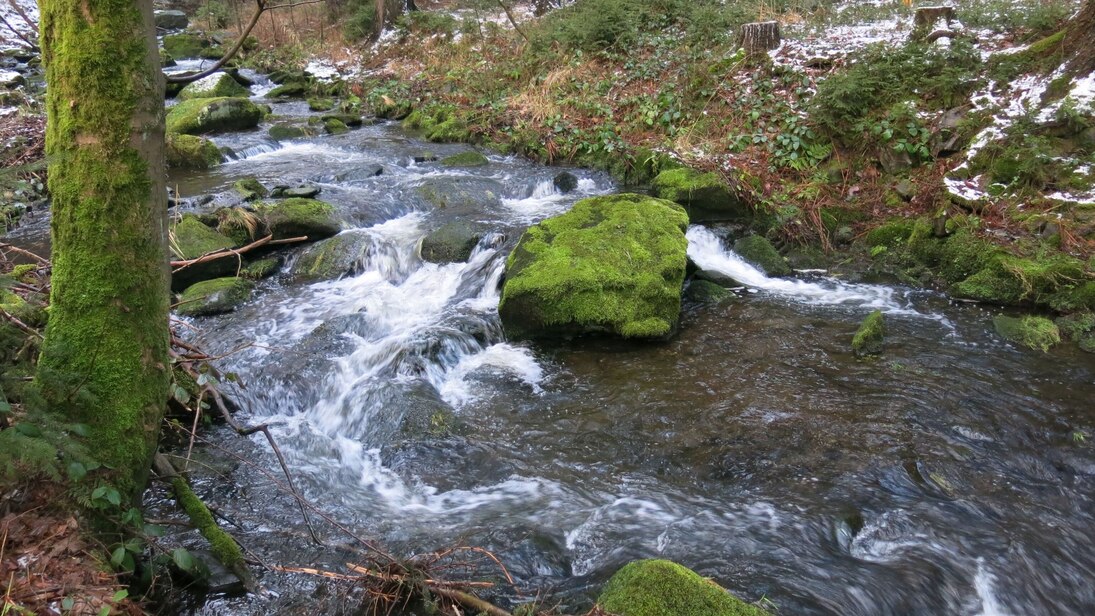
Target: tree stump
759, 37
929, 20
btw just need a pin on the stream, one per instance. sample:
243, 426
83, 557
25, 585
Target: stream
949, 476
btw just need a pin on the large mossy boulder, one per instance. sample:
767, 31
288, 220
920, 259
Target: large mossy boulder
664, 588
185, 45
705, 196
215, 296
1033, 332
331, 258
207, 115
611, 265
191, 152
756, 249
190, 239
297, 217
217, 85
452, 243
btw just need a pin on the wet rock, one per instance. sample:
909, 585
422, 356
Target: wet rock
705, 196
304, 191
465, 159
11, 79
300, 217
321, 104
263, 268
216, 296
284, 131
424, 157
290, 89
217, 85
171, 20
868, 339
357, 174
190, 239
207, 115
249, 189
452, 243
565, 182
331, 258
662, 587
461, 194
349, 119
191, 152
905, 189
611, 265
1033, 332
334, 126
185, 45
757, 250
1080, 328
706, 292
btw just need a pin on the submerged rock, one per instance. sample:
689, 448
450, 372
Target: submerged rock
191, 152
215, 296
756, 249
304, 191
207, 115
868, 339
460, 194
452, 243
664, 588
297, 217
334, 126
565, 182
465, 159
1032, 332
217, 85
705, 196
331, 258
610, 265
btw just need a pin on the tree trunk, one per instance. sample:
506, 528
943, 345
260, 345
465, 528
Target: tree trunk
105, 359
757, 38
1079, 40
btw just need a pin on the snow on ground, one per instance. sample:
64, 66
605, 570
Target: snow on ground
23, 16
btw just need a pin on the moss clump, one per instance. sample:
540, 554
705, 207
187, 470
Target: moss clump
284, 131
891, 234
249, 189
868, 339
664, 588
321, 104
612, 264
191, 239
191, 152
465, 159
1007, 279
263, 268
1074, 297
217, 85
290, 89
1033, 332
334, 126
215, 296
297, 217
206, 115
706, 292
706, 196
184, 45
222, 545
757, 250
331, 258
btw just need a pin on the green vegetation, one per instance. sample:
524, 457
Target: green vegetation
206, 115
296, 217
664, 588
706, 196
249, 189
610, 265
185, 45
869, 338
1033, 332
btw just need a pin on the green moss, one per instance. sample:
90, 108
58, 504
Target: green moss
191, 239
331, 258
217, 85
452, 130
706, 196
215, 296
224, 548
321, 104
292, 89
868, 339
334, 126
297, 217
1039, 57
284, 131
1033, 332
611, 264
1076, 326
757, 250
191, 152
1007, 279
891, 234
249, 189
664, 588
706, 292
263, 268
465, 159
206, 115
1074, 297
452, 243
184, 45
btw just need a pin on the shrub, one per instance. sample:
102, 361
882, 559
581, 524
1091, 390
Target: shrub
361, 24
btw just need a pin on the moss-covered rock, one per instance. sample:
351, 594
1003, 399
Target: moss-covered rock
392, 109
334, 126
191, 238
215, 296
207, 115
757, 250
1030, 331
891, 234
291, 89
185, 45
249, 189
611, 265
461, 194
321, 104
1074, 297
1009, 280
284, 131
664, 588
217, 85
331, 258
706, 292
191, 152
870, 336
297, 217
465, 159
263, 268
705, 196
452, 243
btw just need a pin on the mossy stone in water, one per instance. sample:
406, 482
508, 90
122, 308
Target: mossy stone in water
465, 159
757, 250
1009, 280
215, 296
191, 152
184, 45
1032, 332
706, 196
297, 217
612, 265
869, 338
706, 292
263, 268
217, 85
206, 115
249, 189
331, 258
321, 104
452, 243
664, 588
291, 89
334, 126
283, 131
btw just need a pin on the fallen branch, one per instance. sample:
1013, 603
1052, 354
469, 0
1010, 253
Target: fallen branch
26, 329
227, 252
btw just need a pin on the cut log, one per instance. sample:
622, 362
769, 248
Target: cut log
759, 37
930, 19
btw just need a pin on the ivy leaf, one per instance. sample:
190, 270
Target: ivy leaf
183, 559
76, 471
113, 497
117, 557
120, 595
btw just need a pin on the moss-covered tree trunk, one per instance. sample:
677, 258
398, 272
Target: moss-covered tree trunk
105, 359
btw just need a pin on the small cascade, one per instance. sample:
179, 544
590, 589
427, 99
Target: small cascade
252, 151
544, 199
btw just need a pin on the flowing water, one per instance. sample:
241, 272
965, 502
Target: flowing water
949, 476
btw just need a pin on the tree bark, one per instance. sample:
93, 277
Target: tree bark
757, 38
1079, 42
105, 362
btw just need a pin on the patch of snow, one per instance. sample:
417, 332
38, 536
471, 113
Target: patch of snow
23, 16
969, 190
